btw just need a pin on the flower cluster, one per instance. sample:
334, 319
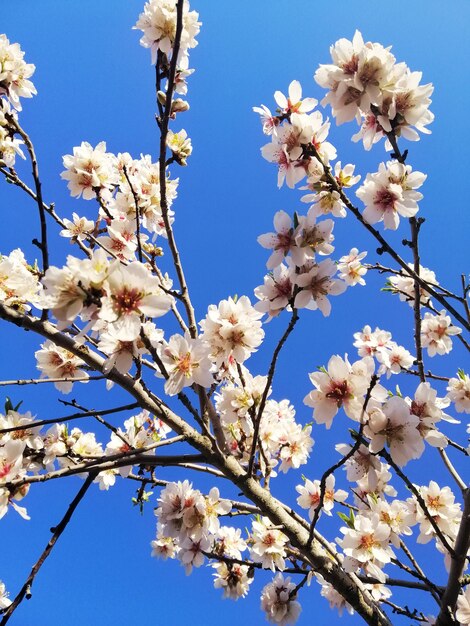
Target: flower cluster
25, 449
14, 73
233, 331
278, 601
389, 193
365, 82
158, 24
116, 181
19, 282
4, 601
404, 285
282, 439
189, 522
392, 357
436, 333
304, 282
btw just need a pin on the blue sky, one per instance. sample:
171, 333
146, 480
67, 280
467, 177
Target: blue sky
96, 83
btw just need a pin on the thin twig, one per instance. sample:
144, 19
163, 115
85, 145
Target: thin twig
65, 418
162, 168
262, 404
25, 591
342, 461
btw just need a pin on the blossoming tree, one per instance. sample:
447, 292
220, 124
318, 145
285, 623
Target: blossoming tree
119, 311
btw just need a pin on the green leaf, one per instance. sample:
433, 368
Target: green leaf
9, 405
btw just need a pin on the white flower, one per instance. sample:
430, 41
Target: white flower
268, 545
290, 167
278, 601
351, 269
428, 408
233, 330
294, 103
14, 73
276, 292
404, 285
316, 284
19, 285
132, 291
463, 607
121, 354
180, 145
441, 505
79, 228
234, 579
281, 242
394, 359
312, 238
164, 547
436, 333
4, 601
310, 495
89, 170
395, 426
269, 121
187, 362
158, 23
342, 385
368, 540
390, 193
56, 362
191, 552
335, 600
458, 392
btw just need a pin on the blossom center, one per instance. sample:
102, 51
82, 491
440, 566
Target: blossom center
127, 301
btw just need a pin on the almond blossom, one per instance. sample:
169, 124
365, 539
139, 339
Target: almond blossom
463, 607
19, 282
276, 293
312, 238
310, 494
158, 24
15, 73
268, 545
4, 600
132, 291
368, 540
278, 601
316, 284
233, 330
390, 193
56, 362
269, 121
187, 362
342, 385
366, 83
293, 103
78, 228
436, 333
395, 426
281, 242
428, 408
89, 170
234, 579
458, 392
441, 506
351, 269
404, 285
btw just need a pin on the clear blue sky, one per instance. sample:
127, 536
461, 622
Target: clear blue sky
96, 83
